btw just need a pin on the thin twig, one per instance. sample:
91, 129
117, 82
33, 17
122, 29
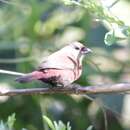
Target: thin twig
72, 89
11, 72
114, 3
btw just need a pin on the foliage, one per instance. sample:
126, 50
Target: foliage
102, 13
57, 126
9, 125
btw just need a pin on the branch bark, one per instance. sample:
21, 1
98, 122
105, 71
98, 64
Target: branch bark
72, 89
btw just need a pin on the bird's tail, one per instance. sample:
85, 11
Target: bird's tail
26, 78
29, 77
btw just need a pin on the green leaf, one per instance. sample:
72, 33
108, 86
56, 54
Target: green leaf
68, 126
61, 125
23, 129
3, 126
110, 38
56, 125
90, 127
67, 2
10, 121
126, 30
49, 122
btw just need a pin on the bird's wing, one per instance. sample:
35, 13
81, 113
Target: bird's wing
57, 62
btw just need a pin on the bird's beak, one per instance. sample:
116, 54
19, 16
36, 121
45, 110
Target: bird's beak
85, 50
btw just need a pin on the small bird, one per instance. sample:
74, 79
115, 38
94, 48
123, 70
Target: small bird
60, 68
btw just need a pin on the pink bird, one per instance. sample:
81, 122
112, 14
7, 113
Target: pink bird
60, 68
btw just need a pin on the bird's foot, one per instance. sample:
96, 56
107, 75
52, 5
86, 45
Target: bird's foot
57, 85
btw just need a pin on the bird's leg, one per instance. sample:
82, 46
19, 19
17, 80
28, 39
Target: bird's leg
56, 85
59, 85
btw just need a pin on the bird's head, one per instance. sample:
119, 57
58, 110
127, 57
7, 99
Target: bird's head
76, 50
79, 49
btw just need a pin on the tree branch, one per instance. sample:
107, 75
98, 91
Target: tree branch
11, 72
72, 89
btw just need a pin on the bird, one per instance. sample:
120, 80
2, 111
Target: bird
61, 68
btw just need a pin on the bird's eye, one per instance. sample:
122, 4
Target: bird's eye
77, 48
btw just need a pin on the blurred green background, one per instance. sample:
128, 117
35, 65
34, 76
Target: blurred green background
31, 30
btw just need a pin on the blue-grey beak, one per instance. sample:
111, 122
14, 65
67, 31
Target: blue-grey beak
85, 50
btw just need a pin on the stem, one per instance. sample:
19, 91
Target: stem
11, 72
72, 89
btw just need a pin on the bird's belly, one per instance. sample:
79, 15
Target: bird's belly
58, 76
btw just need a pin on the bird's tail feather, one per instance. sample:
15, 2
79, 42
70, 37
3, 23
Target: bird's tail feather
35, 75
26, 78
